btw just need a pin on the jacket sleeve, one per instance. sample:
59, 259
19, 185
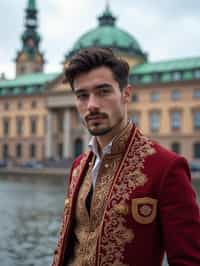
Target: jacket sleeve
180, 216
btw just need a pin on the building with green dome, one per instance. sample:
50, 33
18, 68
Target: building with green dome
108, 35
38, 118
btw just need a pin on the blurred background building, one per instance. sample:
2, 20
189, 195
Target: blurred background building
38, 118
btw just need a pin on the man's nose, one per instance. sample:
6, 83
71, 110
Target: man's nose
93, 102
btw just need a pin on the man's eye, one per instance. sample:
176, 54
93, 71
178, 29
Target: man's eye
104, 91
82, 96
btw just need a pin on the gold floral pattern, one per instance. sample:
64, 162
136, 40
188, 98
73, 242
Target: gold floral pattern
115, 232
67, 209
88, 228
76, 173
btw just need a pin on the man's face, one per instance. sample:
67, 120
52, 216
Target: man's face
101, 104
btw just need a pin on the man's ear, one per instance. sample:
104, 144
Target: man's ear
127, 93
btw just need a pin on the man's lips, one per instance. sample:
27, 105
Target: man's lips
95, 117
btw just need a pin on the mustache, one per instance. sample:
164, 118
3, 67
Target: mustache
92, 115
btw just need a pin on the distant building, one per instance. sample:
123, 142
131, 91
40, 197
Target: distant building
38, 118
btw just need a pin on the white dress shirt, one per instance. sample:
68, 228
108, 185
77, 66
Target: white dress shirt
94, 148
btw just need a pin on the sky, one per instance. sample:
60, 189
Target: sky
164, 29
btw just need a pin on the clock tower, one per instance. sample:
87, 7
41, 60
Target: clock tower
29, 59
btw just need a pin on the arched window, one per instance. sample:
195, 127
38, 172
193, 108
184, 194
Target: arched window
78, 147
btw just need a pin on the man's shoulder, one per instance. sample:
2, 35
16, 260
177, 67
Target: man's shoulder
160, 152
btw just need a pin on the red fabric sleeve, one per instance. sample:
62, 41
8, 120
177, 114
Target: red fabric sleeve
180, 216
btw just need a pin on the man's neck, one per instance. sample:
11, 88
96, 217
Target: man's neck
102, 141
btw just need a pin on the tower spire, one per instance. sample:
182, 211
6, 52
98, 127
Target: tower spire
30, 59
107, 18
32, 5
107, 5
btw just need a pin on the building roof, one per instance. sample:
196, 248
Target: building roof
107, 34
166, 71
167, 66
28, 84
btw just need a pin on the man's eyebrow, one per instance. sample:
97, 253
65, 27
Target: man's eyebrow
103, 85
99, 86
76, 91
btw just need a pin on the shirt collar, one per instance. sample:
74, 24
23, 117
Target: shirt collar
94, 147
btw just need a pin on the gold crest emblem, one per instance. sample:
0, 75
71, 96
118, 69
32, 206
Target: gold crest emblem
144, 210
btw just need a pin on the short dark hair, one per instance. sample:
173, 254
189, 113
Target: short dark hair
90, 58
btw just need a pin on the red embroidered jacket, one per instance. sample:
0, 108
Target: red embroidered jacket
150, 208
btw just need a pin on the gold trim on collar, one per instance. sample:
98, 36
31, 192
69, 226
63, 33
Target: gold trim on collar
120, 141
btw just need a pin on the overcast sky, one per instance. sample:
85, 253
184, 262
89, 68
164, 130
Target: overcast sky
165, 29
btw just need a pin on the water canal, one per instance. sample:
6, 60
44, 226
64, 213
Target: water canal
30, 216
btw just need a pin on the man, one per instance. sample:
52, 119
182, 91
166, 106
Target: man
129, 200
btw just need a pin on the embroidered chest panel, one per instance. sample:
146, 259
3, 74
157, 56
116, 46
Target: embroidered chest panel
115, 233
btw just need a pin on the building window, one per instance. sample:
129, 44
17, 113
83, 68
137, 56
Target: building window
19, 150
175, 95
19, 126
196, 120
5, 151
176, 76
176, 147
197, 74
155, 77
197, 150
19, 105
135, 118
134, 79
155, 96
135, 98
32, 150
196, 94
6, 106
33, 104
176, 120
33, 122
6, 127
154, 121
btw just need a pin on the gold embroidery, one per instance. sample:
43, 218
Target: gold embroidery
76, 173
88, 229
121, 209
115, 231
66, 214
81, 228
66, 202
144, 210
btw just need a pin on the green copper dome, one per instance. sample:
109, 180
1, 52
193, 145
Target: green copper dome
108, 35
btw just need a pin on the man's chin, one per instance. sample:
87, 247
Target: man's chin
99, 132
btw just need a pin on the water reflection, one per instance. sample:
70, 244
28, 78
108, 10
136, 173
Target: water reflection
30, 217
30, 221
